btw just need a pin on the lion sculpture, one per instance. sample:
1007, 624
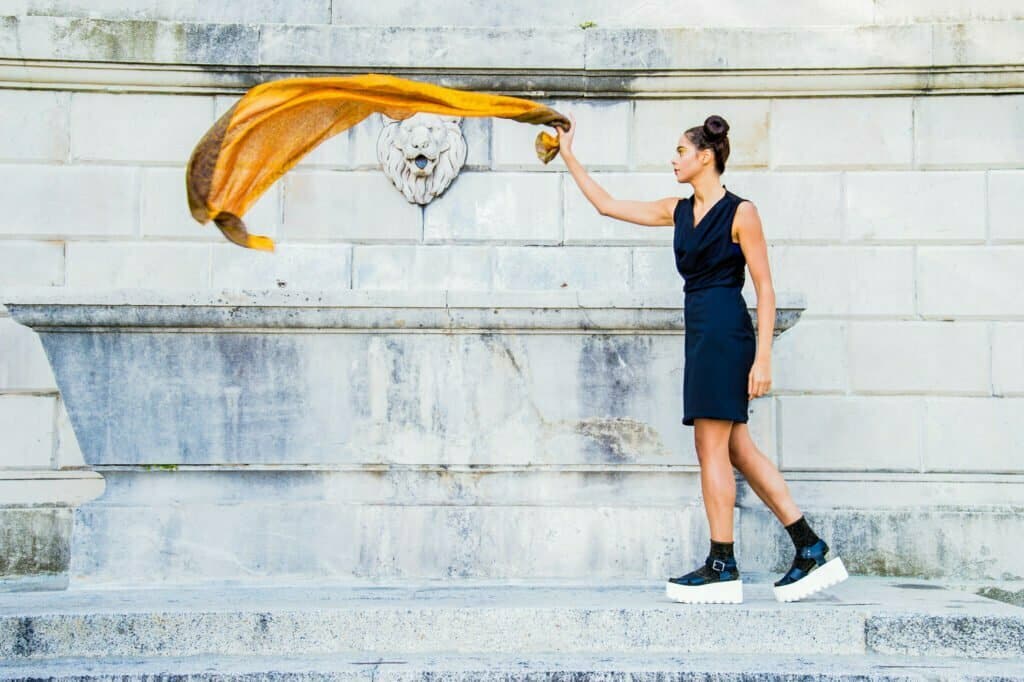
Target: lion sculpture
422, 154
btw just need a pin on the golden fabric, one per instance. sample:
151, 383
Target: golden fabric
275, 124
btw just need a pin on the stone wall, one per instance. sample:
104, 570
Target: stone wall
883, 143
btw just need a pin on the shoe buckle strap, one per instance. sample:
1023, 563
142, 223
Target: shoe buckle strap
718, 565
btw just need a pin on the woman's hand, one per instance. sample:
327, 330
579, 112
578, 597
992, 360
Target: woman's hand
565, 138
759, 381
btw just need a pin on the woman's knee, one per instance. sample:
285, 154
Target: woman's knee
711, 439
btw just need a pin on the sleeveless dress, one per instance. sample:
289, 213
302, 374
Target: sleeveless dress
719, 338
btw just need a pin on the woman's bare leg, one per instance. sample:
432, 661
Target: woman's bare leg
761, 473
717, 482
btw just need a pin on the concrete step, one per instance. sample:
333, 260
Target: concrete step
860, 616
507, 668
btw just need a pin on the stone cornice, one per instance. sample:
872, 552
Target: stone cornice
398, 310
161, 56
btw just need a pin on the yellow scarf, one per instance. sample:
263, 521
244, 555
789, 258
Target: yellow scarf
275, 124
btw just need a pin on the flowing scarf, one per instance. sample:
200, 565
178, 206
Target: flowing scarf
277, 123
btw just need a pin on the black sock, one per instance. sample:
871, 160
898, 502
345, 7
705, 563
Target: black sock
801, 533
721, 550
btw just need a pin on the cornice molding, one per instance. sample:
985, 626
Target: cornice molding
193, 58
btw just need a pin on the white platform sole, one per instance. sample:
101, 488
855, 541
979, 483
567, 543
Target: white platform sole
729, 592
831, 573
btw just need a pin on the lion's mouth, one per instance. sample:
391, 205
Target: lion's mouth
421, 161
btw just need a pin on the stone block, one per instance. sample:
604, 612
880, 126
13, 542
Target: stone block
1007, 358
581, 267
100, 201
36, 543
584, 225
69, 454
963, 14
603, 13
748, 47
33, 125
601, 141
149, 265
811, 357
979, 42
793, 206
350, 206
429, 47
969, 281
658, 125
846, 280
27, 425
165, 212
654, 267
31, 264
922, 542
292, 266
256, 11
105, 40
841, 132
23, 362
138, 127
851, 433
946, 131
510, 208
973, 434
422, 267
919, 357
399, 541
910, 206
1006, 205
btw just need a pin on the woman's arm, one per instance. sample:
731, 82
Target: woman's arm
755, 251
656, 213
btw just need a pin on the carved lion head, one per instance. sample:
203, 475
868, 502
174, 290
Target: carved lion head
422, 154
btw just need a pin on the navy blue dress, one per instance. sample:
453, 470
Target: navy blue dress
719, 339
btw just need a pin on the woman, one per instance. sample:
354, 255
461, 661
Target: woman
717, 233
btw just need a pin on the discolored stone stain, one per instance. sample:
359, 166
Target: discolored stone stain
26, 643
618, 438
263, 623
115, 40
256, 394
35, 541
611, 372
403, 384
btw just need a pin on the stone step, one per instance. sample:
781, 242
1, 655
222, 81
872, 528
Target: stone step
507, 668
860, 616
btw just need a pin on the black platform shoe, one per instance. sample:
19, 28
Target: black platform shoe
716, 582
810, 573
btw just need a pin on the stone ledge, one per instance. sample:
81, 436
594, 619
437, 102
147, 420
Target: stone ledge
646, 667
861, 616
64, 488
49, 308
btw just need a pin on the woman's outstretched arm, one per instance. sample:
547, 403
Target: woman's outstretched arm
655, 213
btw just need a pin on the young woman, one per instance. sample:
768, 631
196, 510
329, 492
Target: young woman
717, 233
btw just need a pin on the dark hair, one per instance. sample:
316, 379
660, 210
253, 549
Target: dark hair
712, 135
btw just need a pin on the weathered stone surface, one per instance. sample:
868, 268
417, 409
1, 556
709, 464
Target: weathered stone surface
34, 541
500, 620
920, 542
194, 397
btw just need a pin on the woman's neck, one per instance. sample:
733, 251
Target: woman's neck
707, 189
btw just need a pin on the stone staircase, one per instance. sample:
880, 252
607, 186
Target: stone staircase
863, 629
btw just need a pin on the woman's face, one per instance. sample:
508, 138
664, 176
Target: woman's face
689, 161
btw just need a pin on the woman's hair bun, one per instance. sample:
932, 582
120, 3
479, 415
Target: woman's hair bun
715, 127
